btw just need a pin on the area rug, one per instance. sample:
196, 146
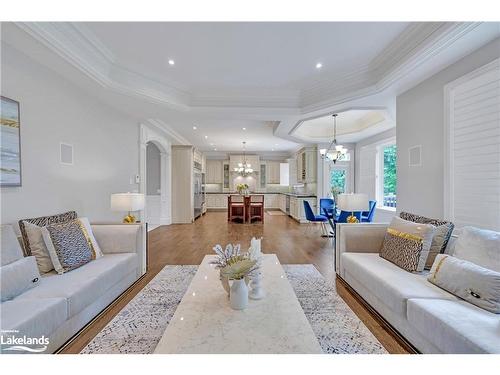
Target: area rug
276, 213
140, 325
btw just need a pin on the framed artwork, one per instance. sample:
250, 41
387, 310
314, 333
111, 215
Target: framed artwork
10, 139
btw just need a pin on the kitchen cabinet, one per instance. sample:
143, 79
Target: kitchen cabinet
214, 172
307, 161
216, 201
262, 176
226, 175
297, 207
273, 172
271, 201
282, 202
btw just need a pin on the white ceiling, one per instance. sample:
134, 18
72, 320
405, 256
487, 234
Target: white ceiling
260, 76
277, 55
352, 126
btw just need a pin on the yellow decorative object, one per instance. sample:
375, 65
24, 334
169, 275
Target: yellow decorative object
129, 219
408, 236
352, 219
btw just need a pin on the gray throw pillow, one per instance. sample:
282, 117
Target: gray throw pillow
475, 284
406, 244
441, 237
17, 277
69, 246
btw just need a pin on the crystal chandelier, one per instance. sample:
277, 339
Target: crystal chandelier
244, 169
334, 151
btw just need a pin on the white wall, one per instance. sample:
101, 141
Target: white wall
420, 121
52, 111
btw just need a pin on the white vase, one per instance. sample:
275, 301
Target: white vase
238, 297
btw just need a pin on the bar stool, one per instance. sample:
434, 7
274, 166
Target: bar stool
256, 207
237, 207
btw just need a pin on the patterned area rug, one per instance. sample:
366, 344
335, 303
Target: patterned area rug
140, 325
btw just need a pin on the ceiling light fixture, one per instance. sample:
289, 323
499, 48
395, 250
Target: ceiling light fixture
319, 65
206, 137
171, 62
334, 151
194, 128
244, 128
244, 169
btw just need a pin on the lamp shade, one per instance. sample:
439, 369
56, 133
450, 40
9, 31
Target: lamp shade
127, 202
352, 202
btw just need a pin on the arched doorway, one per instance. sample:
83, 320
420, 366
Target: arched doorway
155, 184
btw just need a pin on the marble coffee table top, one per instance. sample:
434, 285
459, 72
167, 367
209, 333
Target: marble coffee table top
205, 323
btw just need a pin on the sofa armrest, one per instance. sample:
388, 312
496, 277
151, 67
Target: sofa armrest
358, 238
122, 238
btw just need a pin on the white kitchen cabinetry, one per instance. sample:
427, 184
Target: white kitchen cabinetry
273, 172
271, 201
216, 201
282, 202
297, 207
307, 160
214, 172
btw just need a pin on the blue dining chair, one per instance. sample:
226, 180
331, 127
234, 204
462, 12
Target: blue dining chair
327, 207
345, 214
367, 216
312, 218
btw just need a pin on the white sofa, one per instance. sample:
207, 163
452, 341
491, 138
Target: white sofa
61, 305
431, 319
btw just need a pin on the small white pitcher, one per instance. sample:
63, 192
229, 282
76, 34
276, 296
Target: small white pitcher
238, 297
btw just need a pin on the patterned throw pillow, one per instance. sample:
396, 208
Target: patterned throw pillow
441, 237
43, 221
69, 245
407, 244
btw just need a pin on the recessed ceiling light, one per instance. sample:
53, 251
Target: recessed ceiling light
319, 65
215, 149
244, 128
275, 144
211, 144
206, 137
194, 128
171, 62
272, 149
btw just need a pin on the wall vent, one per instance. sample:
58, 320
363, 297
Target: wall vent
415, 156
66, 154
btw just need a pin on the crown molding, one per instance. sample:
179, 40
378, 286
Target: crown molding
168, 131
417, 44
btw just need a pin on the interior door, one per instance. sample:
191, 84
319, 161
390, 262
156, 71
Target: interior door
338, 176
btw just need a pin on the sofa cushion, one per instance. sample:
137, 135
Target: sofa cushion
37, 247
68, 245
33, 317
479, 246
10, 250
475, 284
407, 244
17, 277
43, 221
389, 283
455, 326
441, 235
82, 286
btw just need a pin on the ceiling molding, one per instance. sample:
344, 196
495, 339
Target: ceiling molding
168, 131
417, 44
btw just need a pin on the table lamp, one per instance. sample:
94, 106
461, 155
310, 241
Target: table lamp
352, 203
127, 202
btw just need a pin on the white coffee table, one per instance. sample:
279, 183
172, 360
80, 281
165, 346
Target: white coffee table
205, 323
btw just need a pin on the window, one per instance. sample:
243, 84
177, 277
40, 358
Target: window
388, 175
337, 181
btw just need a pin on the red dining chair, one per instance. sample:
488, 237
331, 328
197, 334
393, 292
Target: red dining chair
237, 207
256, 207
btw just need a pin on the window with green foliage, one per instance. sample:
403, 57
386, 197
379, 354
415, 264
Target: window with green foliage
390, 175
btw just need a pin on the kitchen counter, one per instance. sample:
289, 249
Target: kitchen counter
260, 193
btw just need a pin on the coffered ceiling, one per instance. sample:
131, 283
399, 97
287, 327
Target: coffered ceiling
223, 77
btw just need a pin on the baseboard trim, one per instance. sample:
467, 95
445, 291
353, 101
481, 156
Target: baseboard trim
401, 340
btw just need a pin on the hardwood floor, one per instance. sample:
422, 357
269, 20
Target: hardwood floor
182, 244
